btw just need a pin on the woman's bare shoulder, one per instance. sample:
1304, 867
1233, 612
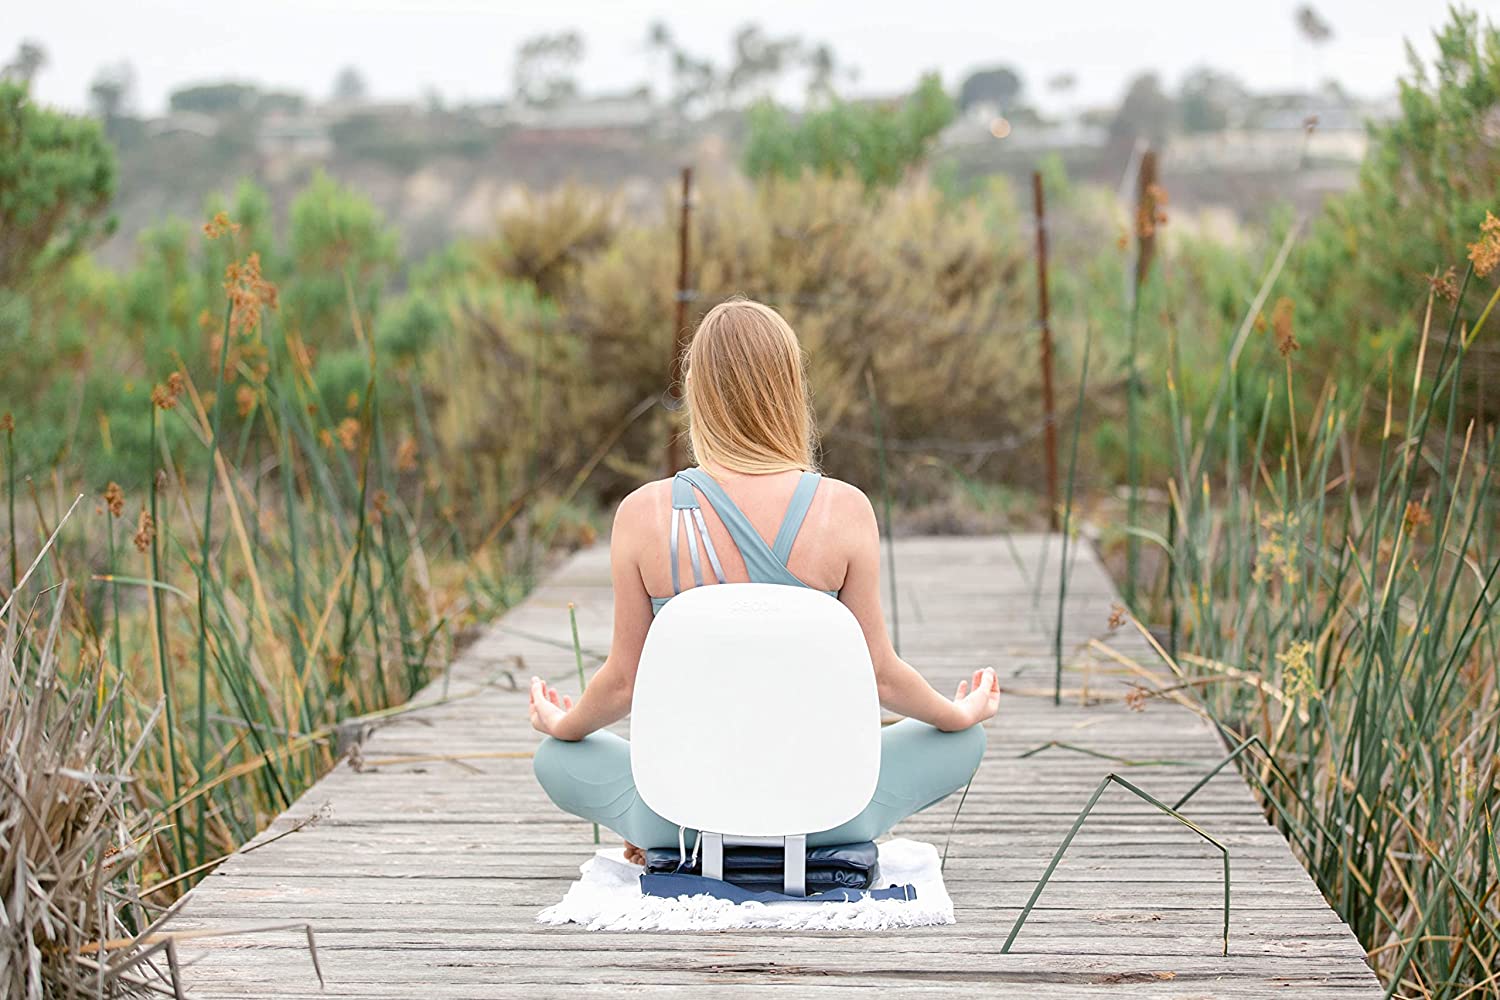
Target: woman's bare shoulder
640, 508
644, 498
845, 500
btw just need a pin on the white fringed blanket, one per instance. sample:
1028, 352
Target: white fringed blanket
608, 897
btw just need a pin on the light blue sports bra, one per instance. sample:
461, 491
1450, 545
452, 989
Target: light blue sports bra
765, 563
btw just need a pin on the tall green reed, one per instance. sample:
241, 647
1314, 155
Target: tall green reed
1363, 601
264, 618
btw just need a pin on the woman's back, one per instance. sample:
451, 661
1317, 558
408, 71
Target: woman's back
752, 512
782, 527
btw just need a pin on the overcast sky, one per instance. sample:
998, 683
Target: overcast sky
463, 49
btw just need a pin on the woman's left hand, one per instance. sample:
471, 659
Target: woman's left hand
548, 707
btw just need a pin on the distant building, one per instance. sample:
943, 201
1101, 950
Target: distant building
586, 117
1265, 148
984, 124
1284, 132
301, 137
184, 123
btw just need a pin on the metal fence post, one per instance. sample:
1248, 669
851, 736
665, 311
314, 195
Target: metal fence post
1049, 405
679, 330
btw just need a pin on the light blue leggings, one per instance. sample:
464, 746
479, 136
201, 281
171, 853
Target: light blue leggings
919, 766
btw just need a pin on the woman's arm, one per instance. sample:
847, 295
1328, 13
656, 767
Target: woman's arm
902, 689
607, 698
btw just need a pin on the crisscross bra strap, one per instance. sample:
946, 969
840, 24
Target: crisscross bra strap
764, 563
685, 508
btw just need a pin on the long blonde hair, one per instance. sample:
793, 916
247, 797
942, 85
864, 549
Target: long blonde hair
747, 401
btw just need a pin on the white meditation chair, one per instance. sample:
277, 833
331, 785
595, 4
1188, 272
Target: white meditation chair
755, 719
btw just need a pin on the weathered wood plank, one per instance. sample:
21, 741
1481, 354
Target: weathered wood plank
428, 862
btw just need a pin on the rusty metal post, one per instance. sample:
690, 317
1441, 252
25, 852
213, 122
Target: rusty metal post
679, 331
1146, 210
1044, 307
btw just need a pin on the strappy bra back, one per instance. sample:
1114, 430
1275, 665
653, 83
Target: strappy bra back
764, 563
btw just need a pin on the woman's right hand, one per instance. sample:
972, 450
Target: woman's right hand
548, 708
978, 698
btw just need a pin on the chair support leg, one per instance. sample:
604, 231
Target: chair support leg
713, 855
794, 878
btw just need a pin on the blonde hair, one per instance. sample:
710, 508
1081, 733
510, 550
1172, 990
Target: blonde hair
747, 402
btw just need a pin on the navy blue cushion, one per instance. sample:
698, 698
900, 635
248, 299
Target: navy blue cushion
670, 886
759, 869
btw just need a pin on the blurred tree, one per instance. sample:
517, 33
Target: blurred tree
1062, 82
1145, 113
214, 98
822, 67
349, 87
878, 143
408, 327
660, 45
999, 85
340, 243
284, 101
1209, 100
28, 61
759, 62
57, 175
112, 91
546, 66
694, 81
1430, 176
1312, 25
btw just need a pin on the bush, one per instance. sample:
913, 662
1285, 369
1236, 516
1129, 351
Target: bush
879, 144
57, 174
1424, 188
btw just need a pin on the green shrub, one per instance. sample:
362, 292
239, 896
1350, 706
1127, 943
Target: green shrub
57, 175
879, 144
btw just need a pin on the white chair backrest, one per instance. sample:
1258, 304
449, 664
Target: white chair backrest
755, 712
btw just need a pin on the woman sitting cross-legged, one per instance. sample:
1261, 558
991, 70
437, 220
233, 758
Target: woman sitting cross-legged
760, 512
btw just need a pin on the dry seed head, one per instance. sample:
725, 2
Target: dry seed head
219, 225
348, 433
1445, 285
1277, 552
244, 400
248, 294
1281, 326
1297, 674
145, 531
1116, 616
406, 455
1485, 252
165, 396
7, 422
114, 499
1416, 516
1135, 698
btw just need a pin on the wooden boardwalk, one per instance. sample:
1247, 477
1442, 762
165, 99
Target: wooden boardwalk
425, 871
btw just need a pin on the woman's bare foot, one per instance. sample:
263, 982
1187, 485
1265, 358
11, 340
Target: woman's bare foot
634, 854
